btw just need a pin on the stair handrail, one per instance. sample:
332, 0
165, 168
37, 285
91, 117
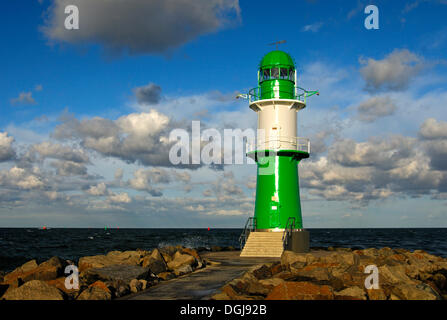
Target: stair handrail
250, 225
290, 225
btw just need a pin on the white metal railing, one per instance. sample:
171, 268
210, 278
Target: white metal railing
279, 143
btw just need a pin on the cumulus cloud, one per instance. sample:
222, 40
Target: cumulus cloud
69, 168
23, 99
6, 150
375, 169
140, 27
20, 178
393, 73
119, 198
148, 94
136, 137
433, 129
57, 151
146, 179
434, 133
98, 190
374, 108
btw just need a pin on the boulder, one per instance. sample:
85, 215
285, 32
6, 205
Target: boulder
182, 270
144, 284
351, 293
116, 274
406, 291
135, 285
261, 271
376, 294
126, 257
220, 296
394, 275
34, 290
96, 291
195, 254
271, 283
59, 283
300, 291
233, 291
132, 258
180, 260
48, 270
166, 275
155, 262
313, 273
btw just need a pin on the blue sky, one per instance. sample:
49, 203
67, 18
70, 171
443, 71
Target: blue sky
73, 110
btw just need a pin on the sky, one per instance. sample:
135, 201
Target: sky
85, 114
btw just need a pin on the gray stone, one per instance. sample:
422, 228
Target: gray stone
116, 274
34, 290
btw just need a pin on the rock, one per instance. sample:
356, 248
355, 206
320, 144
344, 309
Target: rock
59, 283
406, 291
143, 284
376, 294
34, 290
300, 291
116, 274
394, 275
262, 272
94, 262
166, 275
220, 296
313, 273
195, 254
184, 269
271, 283
372, 252
351, 293
126, 257
180, 260
233, 291
96, 291
121, 290
155, 262
440, 280
290, 257
135, 285
132, 258
48, 270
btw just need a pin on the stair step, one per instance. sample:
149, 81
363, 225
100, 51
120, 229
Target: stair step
263, 244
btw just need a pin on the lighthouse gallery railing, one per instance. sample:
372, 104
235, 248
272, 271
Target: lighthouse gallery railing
299, 93
279, 143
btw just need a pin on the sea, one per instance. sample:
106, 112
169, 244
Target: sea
19, 245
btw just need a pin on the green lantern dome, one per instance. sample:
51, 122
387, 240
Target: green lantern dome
276, 58
276, 76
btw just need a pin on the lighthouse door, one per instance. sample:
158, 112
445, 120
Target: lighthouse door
274, 214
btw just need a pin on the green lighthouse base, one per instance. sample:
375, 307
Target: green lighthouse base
277, 190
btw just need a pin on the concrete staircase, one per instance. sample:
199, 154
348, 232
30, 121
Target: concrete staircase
263, 244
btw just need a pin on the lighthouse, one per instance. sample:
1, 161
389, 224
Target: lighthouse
277, 223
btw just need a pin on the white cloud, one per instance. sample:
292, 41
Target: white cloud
6, 150
392, 73
119, 198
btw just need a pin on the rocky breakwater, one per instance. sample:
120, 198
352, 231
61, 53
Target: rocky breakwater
101, 277
339, 274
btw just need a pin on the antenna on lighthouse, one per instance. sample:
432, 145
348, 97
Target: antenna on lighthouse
277, 43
